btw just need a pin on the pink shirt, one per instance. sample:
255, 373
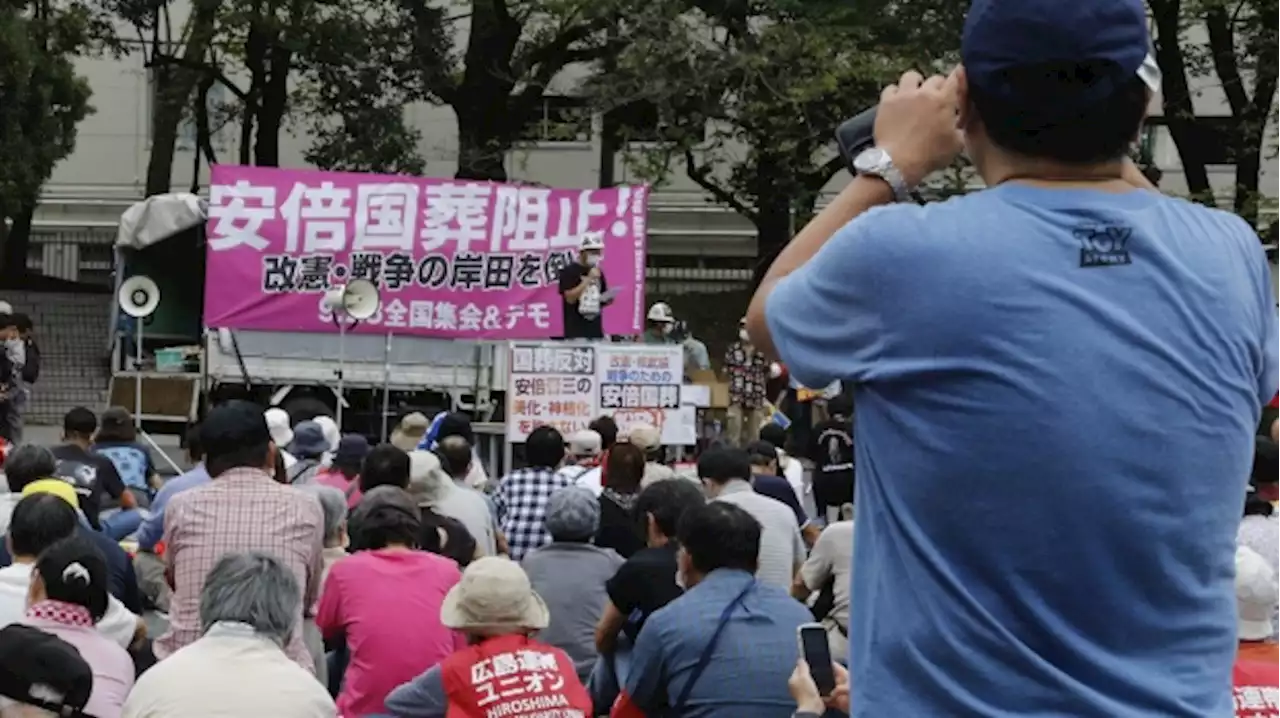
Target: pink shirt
387, 603
111, 666
338, 480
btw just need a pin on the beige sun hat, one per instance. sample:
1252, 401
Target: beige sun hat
409, 432
494, 595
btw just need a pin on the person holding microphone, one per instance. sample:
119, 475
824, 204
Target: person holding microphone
585, 291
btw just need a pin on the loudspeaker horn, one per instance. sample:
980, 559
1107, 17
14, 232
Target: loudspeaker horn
358, 300
139, 296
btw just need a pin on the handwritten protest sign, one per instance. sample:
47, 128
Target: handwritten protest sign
568, 385
458, 259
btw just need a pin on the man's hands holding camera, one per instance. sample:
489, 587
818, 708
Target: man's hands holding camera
916, 124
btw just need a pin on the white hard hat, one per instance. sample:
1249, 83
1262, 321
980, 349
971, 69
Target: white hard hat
660, 312
592, 241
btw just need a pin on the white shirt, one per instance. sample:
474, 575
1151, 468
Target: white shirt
781, 546
591, 480
8, 500
471, 510
119, 624
228, 673
793, 472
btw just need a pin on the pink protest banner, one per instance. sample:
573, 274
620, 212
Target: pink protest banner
451, 258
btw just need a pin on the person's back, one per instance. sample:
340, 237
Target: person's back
1057, 383
781, 548
468, 507
571, 579
386, 602
1123, 358
228, 673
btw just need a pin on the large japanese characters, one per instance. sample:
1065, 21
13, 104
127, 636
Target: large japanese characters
451, 258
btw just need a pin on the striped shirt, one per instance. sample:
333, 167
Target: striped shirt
240, 510
781, 546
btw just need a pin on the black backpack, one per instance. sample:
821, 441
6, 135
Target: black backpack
31, 370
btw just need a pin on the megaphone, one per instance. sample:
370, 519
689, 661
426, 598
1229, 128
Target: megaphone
359, 299
138, 296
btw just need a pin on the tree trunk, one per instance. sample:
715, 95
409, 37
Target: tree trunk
482, 103
482, 144
1176, 100
17, 244
175, 87
272, 107
773, 231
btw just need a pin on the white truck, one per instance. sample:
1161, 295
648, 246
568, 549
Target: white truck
185, 365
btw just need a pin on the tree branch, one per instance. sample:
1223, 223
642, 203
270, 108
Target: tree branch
816, 180
1222, 49
201, 67
701, 175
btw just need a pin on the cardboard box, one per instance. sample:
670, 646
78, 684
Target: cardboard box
719, 388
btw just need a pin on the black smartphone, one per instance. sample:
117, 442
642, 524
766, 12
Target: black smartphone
817, 653
856, 134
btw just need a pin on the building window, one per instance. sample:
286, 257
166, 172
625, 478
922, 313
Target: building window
560, 119
640, 121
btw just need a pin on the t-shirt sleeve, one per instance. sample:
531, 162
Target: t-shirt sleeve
109, 479
827, 319
817, 569
625, 586
1268, 371
570, 277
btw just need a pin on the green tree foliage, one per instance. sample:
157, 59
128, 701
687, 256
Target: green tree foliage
42, 99
1232, 44
750, 94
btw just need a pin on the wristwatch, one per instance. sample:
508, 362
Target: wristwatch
875, 162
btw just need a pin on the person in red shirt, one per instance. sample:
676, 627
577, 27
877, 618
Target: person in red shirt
1255, 682
504, 670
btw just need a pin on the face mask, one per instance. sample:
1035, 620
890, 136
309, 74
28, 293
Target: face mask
592, 260
742, 334
680, 582
666, 328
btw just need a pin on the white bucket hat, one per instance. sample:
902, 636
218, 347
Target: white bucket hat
494, 595
330, 428
592, 242
1256, 595
278, 425
661, 312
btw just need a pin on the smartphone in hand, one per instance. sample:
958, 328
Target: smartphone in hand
817, 653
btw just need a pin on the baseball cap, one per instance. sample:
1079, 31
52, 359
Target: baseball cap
1003, 34
585, 443
39, 669
1256, 595
573, 514
644, 437
57, 487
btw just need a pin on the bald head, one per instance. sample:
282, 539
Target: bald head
455, 451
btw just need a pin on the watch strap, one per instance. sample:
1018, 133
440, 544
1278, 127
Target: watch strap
886, 170
805, 714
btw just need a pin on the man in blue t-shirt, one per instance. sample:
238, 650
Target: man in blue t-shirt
1057, 378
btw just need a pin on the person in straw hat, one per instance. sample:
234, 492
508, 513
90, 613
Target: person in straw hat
503, 670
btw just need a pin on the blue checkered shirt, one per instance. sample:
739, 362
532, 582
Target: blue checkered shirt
747, 674
521, 500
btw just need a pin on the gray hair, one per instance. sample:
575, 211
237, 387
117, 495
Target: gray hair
252, 588
334, 504
28, 463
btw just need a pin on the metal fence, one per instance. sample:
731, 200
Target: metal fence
77, 254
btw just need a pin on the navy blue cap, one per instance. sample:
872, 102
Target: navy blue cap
1002, 34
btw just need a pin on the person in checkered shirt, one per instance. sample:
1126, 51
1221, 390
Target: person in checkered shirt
241, 509
522, 495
